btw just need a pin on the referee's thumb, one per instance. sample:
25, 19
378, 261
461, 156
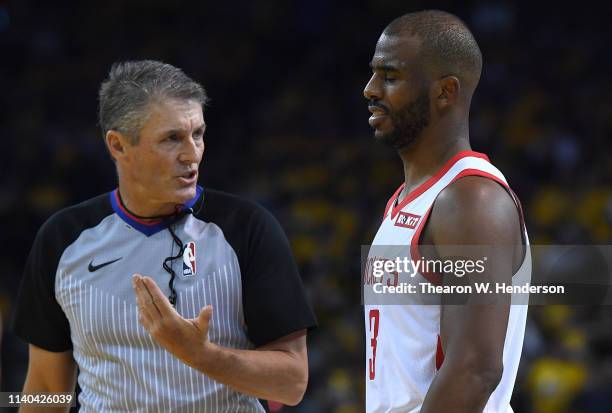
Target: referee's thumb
204, 317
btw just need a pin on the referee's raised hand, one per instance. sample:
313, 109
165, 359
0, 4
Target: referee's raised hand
178, 335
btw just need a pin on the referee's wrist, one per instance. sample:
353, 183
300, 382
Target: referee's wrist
210, 358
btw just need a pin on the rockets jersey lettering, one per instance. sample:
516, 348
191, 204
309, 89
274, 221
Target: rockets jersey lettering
403, 347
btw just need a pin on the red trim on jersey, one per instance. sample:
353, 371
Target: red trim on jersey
517, 201
393, 198
432, 180
439, 354
478, 172
415, 254
126, 212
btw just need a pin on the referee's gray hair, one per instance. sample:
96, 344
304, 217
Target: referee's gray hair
132, 86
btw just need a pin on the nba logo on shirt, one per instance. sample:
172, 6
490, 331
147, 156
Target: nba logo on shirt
406, 220
189, 260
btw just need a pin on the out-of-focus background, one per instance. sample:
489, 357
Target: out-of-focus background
287, 126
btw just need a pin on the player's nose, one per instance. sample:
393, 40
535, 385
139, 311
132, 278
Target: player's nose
372, 91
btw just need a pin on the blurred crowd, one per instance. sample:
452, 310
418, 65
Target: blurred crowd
287, 126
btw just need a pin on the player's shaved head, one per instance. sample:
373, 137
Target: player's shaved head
447, 45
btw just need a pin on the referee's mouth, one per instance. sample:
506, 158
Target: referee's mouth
188, 178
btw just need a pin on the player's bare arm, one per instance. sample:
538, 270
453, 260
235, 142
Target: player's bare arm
277, 371
473, 211
49, 372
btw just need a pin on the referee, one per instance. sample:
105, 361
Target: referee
167, 296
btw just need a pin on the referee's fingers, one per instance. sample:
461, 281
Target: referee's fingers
144, 303
158, 299
144, 298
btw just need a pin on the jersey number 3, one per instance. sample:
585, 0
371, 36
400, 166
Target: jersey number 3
374, 316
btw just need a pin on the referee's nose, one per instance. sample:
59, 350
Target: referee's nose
192, 150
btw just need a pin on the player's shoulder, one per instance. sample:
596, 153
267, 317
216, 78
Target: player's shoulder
68, 222
473, 204
473, 191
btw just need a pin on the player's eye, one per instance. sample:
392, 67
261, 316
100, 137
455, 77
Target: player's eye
389, 78
172, 138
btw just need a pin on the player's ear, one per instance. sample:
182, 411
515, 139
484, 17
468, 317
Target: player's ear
446, 92
116, 143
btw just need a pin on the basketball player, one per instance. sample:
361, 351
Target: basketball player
216, 316
441, 358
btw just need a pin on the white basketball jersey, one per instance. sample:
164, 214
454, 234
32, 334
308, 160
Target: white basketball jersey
403, 346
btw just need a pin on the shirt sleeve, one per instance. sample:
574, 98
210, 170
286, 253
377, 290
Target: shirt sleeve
38, 318
274, 299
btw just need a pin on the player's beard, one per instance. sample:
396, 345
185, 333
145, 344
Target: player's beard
408, 122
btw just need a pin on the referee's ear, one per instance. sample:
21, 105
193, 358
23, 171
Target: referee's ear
115, 142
